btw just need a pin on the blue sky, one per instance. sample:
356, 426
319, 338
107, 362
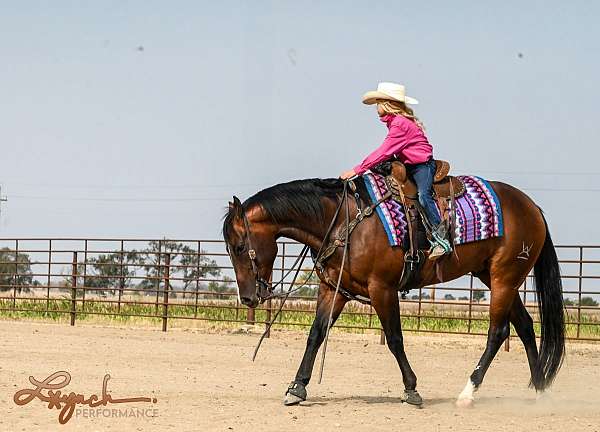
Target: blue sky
141, 118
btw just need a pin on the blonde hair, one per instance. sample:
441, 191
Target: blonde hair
400, 108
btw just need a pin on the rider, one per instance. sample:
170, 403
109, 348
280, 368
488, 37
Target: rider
406, 141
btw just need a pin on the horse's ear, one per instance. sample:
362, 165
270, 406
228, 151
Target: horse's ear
236, 205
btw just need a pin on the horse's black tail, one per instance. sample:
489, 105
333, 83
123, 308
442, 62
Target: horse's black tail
548, 286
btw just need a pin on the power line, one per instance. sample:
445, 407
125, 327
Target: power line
59, 198
201, 199
138, 186
534, 173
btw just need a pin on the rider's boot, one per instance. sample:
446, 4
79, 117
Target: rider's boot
440, 244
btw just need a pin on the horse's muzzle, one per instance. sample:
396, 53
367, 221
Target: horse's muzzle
263, 289
251, 302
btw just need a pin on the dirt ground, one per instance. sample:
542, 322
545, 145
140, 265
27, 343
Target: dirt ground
204, 381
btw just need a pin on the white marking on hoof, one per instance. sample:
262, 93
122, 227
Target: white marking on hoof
291, 399
464, 403
466, 398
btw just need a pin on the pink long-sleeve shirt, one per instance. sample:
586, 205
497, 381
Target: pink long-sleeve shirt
405, 139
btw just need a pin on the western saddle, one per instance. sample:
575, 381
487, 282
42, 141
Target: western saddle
445, 189
444, 186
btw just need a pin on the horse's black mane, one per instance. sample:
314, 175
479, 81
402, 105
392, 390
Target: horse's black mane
296, 198
299, 198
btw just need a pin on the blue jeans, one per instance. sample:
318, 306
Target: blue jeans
422, 175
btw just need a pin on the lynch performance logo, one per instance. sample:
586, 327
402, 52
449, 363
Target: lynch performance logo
66, 402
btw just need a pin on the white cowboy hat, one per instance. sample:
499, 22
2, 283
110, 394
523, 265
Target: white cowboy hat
388, 91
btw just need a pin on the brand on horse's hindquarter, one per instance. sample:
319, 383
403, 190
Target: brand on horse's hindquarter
524, 254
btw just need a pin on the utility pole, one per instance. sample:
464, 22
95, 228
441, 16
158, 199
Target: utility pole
2, 199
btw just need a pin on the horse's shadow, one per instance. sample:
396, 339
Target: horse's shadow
324, 400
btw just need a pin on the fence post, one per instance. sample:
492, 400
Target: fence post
470, 302
16, 276
85, 281
74, 289
579, 287
121, 279
197, 280
166, 289
48, 278
419, 310
250, 317
158, 275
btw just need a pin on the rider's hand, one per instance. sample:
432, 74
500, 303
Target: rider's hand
347, 174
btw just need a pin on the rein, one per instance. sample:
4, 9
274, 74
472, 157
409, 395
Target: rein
322, 255
303, 254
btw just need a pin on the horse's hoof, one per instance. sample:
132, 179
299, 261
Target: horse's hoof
291, 399
295, 394
412, 397
464, 403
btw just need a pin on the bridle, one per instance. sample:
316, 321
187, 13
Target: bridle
260, 283
324, 252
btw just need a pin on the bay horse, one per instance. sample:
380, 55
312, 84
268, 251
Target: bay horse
303, 210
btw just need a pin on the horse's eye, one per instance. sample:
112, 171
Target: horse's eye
239, 249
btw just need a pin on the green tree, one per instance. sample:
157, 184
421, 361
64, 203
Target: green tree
588, 301
222, 288
197, 266
478, 295
190, 267
449, 297
569, 302
112, 270
311, 284
15, 270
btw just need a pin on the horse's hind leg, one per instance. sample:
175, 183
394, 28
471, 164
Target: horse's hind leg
502, 296
296, 391
523, 324
385, 302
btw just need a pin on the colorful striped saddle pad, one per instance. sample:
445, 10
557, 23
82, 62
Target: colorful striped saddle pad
478, 212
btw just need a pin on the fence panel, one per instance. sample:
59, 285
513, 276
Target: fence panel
178, 281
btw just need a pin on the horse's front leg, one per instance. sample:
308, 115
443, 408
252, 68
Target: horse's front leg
296, 392
385, 301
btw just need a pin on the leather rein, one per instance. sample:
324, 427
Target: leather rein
322, 255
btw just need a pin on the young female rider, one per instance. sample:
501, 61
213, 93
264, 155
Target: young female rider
406, 141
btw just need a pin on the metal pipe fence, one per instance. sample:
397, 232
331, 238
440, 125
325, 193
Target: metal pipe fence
171, 281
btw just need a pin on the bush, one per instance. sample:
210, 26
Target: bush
449, 297
588, 301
